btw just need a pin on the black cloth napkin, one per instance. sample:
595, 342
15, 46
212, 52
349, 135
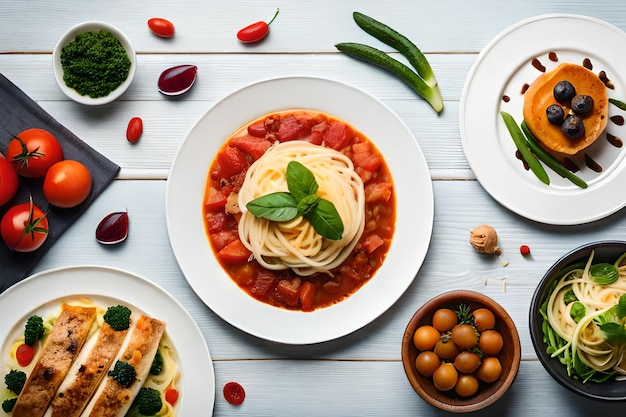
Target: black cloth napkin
19, 112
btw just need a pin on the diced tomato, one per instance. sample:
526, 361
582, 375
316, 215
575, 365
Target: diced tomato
338, 136
380, 191
365, 157
215, 222
24, 354
372, 242
290, 290
263, 282
231, 161
234, 252
223, 238
291, 128
317, 133
215, 200
253, 146
171, 396
365, 175
307, 296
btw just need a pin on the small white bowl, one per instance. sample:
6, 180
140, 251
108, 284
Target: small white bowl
69, 36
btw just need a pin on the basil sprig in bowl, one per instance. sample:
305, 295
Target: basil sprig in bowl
94, 63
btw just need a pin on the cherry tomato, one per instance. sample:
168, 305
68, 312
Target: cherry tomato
256, 31
465, 336
9, 183
467, 361
484, 319
466, 386
490, 342
425, 337
445, 377
427, 362
161, 27
67, 184
444, 319
490, 370
24, 227
171, 396
33, 151
134, 129
24, 354
234, 393
446, 349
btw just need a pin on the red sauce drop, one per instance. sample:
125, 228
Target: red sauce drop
591, 164
113, 228
587, 64
538, 65
178, 79
506, 98
552, 56
618, 120
524, 88
614, 140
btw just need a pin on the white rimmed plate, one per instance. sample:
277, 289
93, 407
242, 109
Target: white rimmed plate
46, 290
502, 68
415, 209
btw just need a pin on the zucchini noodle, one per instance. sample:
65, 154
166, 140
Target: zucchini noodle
580, 303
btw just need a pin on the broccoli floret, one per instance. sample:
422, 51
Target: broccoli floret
33, 330
7, 405
123, 373
15, 380
149, 401
157, 364
118, 317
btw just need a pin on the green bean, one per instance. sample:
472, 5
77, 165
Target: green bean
547, 159
620, 104
522, 145
396, 40
380, 58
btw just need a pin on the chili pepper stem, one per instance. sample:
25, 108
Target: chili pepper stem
275, 14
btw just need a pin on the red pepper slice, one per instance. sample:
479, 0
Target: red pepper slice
234, 393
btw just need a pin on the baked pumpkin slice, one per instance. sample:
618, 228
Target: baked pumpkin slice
540, 95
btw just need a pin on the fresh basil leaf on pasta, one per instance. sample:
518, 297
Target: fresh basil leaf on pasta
278, 207
326, 220
300, 180
307, 204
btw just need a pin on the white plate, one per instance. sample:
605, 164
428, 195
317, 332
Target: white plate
46, 290
415, 209
502, 68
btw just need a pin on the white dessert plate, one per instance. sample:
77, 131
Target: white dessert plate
414, 219
45, 291
501, 70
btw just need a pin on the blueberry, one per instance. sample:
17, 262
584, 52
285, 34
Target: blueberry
582, 104
564, 91
555, 114
573, 127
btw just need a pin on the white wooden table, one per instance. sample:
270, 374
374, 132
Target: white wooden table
359, 374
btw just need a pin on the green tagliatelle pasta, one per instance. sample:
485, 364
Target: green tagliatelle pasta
584, 319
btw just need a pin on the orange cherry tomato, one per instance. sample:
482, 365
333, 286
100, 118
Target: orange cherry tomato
134, 129
67, 184
24, 354
425, 337
171, 396
161, 27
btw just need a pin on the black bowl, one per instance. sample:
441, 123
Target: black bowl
611, 390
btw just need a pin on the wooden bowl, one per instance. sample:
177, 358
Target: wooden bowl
509, 357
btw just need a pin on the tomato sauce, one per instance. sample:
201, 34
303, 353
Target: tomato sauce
285, 289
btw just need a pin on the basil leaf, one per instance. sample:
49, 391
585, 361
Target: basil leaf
614, 332
300, 181
278, 207
603, 273
308, 203
326, 220
578, 311
620, 308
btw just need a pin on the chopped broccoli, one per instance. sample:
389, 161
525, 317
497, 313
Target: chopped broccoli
15, 380
149, 401
157, 364
118, 317
8, 404
123, 373
33, 330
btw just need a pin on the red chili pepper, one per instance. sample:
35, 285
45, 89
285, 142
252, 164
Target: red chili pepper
234, 393
161, 27
134, 129
256, 31
524, 250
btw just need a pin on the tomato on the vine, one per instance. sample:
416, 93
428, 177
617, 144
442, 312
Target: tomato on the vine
33, 151
24, 227
67, 183
9, 182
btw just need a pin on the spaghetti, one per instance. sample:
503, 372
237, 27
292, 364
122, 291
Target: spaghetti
295, 244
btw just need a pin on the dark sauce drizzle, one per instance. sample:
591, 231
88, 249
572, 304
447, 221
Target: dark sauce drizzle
591, 164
